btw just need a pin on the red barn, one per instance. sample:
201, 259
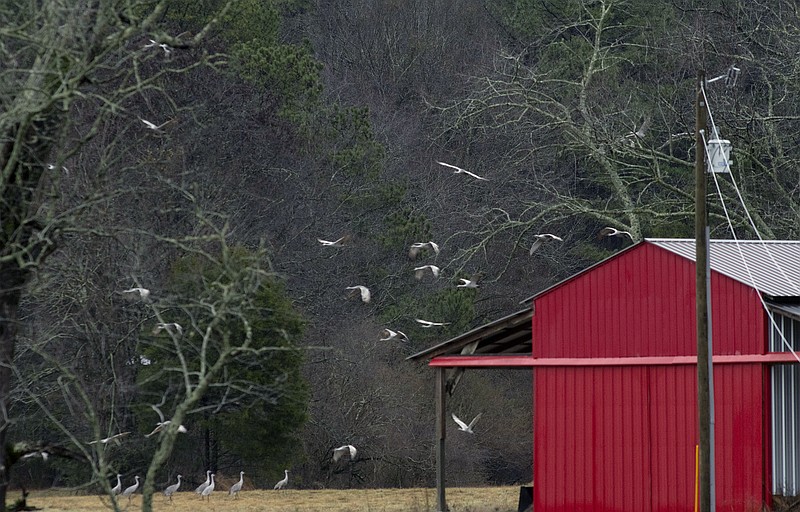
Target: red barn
613, 350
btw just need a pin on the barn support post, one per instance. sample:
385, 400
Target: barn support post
441, 504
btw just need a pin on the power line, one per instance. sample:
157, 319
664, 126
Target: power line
741, 200
741, 253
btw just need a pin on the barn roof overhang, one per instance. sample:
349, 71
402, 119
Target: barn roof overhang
506, 336
790, 309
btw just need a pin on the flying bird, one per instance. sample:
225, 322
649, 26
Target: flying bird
459, 170
455, 377
161, 425
609, 231
110, 438
336, 243
172, 489
42, 453
163, 46
542, 238
642, 130
419, 272
392, 335
128, 493
365, 294
468, 283
416, 247
235, 488
205, 484
52, 167
348, 448
281, 484
427, 325
152, 126
463, 426
136, 293
171, 328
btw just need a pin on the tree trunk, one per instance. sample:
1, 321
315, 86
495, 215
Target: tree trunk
10, 293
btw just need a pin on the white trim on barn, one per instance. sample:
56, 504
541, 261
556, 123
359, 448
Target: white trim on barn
785, 384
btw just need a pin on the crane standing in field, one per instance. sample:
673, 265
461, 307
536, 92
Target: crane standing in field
117, 488
235, 488
205, 484
208, 490
282, 483
128, 493
172, 489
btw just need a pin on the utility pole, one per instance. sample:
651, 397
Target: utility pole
705, 413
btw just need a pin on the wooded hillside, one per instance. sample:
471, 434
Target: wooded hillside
200, 151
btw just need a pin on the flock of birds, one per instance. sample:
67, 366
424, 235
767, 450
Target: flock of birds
205, 489
421, 271
430, 269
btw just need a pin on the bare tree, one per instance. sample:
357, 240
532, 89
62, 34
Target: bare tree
593, 112
69, 69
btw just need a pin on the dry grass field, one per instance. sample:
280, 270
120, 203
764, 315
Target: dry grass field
470, 499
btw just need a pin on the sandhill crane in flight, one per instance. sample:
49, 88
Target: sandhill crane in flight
419, 272
161, 425
153, 126
427, 325
459, 170
136, 293
363, 290
393, 335
609, 231
340, 451
463, 426
416, 247
336, 243
468, 283
109, 438
171, 328
542, 238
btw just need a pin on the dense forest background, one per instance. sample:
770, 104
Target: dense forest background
293, 120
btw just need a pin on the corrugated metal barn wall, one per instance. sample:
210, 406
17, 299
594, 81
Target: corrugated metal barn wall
622, 438
642, 304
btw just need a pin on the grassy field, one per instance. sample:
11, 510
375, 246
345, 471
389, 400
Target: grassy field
471, 499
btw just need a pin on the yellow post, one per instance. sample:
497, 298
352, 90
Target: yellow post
696, 477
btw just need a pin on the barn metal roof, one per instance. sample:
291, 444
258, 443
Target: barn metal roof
508, 335
792, 310
773, 264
